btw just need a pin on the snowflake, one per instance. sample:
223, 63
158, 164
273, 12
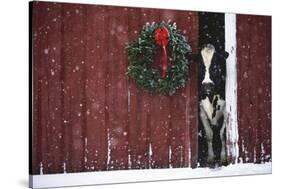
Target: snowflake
46, 51
52, 72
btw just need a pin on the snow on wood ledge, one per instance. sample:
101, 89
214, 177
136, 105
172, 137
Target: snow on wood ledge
106, 177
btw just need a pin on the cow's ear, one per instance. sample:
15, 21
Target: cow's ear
225, 54
193, 58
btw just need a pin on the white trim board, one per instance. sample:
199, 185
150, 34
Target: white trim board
231, 88
126, 176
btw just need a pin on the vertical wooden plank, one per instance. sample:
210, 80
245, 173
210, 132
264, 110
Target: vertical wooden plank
242, 75
252, 103
190, 29
179, 134
254, 74
53, 69
65, 96
74, 58
134, 100
117, 88
160, 125
175, 117
96, 136
144, 156
193, 84
245, 127
178, 131
139, 103
193, 118
42, 60
266, 96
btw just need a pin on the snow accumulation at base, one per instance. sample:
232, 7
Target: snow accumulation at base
89, 178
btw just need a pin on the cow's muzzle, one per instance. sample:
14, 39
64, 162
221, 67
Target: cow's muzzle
207, 88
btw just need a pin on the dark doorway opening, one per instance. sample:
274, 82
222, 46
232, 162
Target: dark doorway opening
211, 30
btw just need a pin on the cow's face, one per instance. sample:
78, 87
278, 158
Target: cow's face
212, 70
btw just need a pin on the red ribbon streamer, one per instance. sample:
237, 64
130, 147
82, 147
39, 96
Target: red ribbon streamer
161, 36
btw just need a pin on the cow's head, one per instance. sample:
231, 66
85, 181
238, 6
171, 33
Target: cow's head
212, 71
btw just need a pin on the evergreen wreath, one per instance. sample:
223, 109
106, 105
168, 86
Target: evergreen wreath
141, 54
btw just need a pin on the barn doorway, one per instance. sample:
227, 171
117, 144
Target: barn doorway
211, 30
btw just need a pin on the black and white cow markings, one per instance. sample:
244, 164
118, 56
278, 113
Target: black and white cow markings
212, 73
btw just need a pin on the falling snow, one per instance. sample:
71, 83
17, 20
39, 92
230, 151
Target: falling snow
113, 136
46, 51
52, 72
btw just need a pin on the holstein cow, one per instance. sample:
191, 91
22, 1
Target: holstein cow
212, 74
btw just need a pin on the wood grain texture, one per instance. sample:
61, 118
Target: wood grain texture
254, 87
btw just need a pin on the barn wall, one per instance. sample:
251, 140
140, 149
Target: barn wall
87, 115
254, 87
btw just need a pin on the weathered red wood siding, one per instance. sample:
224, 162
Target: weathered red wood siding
254, 87
87, 115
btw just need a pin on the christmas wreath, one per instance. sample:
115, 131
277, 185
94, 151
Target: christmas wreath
164, 37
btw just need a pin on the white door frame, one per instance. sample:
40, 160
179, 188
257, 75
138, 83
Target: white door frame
231, 88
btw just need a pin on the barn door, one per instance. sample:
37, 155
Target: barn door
163, 129
87, 114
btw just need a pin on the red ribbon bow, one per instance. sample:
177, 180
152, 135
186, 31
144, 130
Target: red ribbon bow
161, 36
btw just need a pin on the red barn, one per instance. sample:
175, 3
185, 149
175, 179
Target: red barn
89, 116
